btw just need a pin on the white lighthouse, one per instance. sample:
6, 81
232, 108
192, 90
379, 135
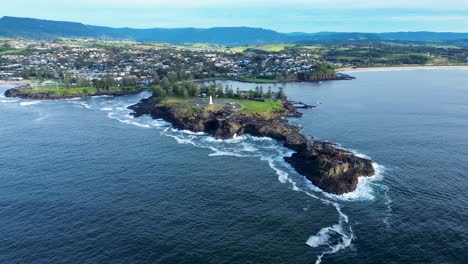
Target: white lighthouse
211, 100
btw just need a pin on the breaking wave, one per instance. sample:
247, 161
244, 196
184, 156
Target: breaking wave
28, 103
329, 239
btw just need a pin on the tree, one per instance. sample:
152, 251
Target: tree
280, 95
184, 93
268, 94
238, 93
193, 90
159, 92
230, 93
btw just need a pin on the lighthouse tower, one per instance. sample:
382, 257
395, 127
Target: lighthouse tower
211, 100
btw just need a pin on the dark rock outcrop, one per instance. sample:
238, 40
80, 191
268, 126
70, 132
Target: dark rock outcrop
330, 168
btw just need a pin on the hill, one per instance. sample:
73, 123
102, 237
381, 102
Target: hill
49, 30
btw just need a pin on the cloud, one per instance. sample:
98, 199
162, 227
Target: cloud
320, 4
433, 18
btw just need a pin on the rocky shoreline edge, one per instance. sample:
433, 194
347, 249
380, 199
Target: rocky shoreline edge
18, 93
327, 166
339, 77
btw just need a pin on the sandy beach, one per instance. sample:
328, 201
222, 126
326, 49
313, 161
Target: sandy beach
403, 68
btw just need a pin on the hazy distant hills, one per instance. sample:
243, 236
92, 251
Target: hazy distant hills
49, 30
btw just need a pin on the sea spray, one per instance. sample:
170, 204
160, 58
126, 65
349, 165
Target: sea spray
247, 146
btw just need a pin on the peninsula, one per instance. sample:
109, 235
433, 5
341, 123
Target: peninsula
330, 168
51, 90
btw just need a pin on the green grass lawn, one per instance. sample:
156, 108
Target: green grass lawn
275, 47
62, 90
99, 43
249, 107
14, 52
256, 106
264, 109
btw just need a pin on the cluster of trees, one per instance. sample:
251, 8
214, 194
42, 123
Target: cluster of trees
179, 89
190, 89
257, 94
40, 74
319, 72
368, 55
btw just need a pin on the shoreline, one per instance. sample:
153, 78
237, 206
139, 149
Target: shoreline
17, 92
329, 167
402, 68
342, 77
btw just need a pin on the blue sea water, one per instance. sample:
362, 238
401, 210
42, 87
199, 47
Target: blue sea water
81, 181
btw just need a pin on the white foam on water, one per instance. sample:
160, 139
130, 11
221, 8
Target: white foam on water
261, 138
101, 96
41, 118
323, 237
271, 151
115, 116
8, 101
182, 140
106, 109
249, 147
85, 105
388, 203
29, 103
191, 132
218, 153
365, 189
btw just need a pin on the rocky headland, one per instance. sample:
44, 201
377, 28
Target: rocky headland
328, 167
25, 92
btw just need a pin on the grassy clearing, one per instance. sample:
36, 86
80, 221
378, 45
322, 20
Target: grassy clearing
62, 90
311, 47
239, 49
268, 48
203, 47
275, 47
14, 52
256, 108
178, 102
99, 43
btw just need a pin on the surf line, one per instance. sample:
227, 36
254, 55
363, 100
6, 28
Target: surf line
342, 228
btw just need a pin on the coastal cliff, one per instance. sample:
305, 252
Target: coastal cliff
330, 168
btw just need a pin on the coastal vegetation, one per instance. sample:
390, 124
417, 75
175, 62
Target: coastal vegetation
149, 64
226, 114
190, 96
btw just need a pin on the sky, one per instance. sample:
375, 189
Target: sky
284, 16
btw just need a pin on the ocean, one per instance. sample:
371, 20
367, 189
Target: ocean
81, 181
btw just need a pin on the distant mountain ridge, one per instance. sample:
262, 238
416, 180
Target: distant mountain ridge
40, 29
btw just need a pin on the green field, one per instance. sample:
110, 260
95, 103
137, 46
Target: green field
268, 48
249, 107
14, 52
260, 107
100, 43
